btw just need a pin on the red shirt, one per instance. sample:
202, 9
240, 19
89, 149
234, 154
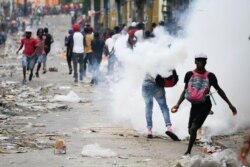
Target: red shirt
29, 46
40, 45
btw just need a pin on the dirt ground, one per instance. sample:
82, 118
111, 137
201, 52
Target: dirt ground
89, 122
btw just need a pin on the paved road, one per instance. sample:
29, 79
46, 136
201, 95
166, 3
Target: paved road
90, 122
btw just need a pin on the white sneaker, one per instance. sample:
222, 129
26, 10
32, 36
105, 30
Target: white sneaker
186, 156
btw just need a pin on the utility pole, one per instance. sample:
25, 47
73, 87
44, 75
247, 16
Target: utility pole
92, 17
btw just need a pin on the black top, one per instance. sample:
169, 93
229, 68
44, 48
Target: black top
48, 40
97, 46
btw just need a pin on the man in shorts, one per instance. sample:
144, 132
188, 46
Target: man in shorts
40, 52
28, 56
200, 111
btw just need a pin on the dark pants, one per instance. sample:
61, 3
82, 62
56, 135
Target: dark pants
69, 60
78, 58
87, 59
96, 61
199, 113
111, 63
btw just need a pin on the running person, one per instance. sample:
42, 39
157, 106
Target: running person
28, 56
47, 46
200, 111
40, 52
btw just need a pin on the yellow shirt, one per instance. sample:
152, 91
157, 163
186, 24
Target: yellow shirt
88, 40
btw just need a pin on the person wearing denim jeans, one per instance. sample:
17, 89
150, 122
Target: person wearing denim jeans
151, 90
28, 58
88, 59
97, 45
77, 51
78, 58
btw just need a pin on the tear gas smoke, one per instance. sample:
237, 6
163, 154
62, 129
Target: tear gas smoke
218, 28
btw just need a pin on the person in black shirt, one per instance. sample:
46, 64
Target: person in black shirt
97, 46
47, 45
200, 111
69, 45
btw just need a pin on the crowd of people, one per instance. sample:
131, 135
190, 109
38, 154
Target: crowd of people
35, 51
85, 51
199, 78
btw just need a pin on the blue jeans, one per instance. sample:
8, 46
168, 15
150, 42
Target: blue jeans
41, 58
87, 60
111, 63
149, 91
78, 58
28, 62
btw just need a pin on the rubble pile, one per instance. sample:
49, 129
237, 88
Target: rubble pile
220, 159
9, 63
19, 105
22, 99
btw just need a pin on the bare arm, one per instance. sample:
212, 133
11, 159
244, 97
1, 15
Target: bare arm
182, 97
19, 48
224, 97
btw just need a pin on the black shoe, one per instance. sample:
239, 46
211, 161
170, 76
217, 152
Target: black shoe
92, 82
30, 77
70, 72
149, 136
37, 74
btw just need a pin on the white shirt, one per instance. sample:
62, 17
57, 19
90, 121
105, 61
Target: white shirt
139, 35
115, 37
109, 43
78, 43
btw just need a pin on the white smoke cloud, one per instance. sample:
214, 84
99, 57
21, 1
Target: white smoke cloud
218, 28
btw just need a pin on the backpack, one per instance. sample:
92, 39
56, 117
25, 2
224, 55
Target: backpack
198, 88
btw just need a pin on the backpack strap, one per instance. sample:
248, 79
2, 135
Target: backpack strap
206, 73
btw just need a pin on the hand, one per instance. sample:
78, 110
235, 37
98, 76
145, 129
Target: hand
233, 109
174, 109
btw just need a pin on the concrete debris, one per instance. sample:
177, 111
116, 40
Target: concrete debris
71, 97
20, 104
219, 159
94, 150
53, 69
22, 99
211, 149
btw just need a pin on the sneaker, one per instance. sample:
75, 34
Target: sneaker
150, 133
186, 156
92, 82
37, 74
44, 71
169, 128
